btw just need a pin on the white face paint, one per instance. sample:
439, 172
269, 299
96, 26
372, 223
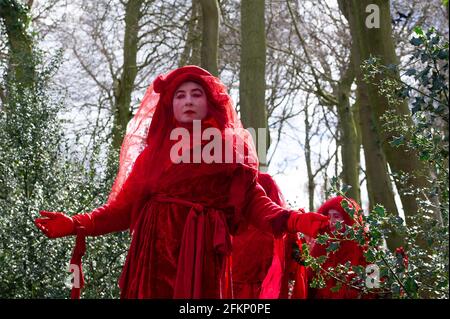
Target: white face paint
190, 103
335, 216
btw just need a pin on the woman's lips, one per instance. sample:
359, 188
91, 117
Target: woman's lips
189, 112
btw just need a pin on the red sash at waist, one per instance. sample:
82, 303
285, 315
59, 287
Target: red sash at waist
189, 283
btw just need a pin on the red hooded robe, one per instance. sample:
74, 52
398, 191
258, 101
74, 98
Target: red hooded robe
181, 216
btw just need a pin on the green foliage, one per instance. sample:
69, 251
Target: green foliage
420, 269
38, 172
425, 86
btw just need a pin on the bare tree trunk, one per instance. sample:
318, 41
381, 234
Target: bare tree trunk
379, 185
311, 184
210, 38
21, 64
349, 134
378, 42
192, 47
124, 86
253, 63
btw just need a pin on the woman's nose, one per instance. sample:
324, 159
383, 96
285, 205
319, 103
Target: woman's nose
188, 100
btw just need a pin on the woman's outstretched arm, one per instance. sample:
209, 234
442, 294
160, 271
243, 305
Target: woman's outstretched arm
111, 217
263, 213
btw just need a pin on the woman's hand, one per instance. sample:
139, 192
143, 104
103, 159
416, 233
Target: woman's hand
55, 225
309, 224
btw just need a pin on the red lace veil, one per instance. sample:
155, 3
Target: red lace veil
145, 150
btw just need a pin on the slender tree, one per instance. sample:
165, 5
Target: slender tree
372, 36
210, 36
193, 42
21, 64
125, 84
252, 86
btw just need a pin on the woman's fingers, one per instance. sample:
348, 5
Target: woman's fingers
42, 225
42, 228
48, 214
41, 220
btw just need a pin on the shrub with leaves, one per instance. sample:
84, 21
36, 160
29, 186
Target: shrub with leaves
38, 172
420, 269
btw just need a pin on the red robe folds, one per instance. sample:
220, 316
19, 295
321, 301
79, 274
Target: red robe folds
253, 250
181, 240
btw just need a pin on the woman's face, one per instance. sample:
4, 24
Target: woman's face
335, 216
189, 103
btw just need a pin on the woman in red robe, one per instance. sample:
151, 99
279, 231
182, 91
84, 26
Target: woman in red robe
180, 206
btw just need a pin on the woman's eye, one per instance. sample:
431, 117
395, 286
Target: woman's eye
180, 96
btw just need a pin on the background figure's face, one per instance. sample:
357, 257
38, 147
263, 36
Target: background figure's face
335, 216
190, 103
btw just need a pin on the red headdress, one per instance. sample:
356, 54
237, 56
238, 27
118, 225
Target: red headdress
336, 204
146, 145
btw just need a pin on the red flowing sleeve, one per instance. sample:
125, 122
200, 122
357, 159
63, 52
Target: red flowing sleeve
114, 216
263, 213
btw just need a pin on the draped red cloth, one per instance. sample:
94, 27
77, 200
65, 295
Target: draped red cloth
253, 249
75, 262
181, 215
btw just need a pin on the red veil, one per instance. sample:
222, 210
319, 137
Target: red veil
146, 146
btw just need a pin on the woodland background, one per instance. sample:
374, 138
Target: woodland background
354, 109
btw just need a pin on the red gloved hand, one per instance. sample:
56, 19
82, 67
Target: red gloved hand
307, 223
55, 225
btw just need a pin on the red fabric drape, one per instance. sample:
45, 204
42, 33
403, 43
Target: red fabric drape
253, 249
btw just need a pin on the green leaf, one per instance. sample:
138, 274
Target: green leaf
418, 30
321, 259
443, 54
391, 67
411, 71
379, 210
333, 246
336, 288
344, 204
425, 156
321, 239
411, 285
334, 181
345, 188
416, 41
370, 256
397, 141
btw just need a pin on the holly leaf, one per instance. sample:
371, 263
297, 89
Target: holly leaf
411, 71
333, 246
345, 188
416, 41
397, 141
336, 288
379, 210
418, 30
